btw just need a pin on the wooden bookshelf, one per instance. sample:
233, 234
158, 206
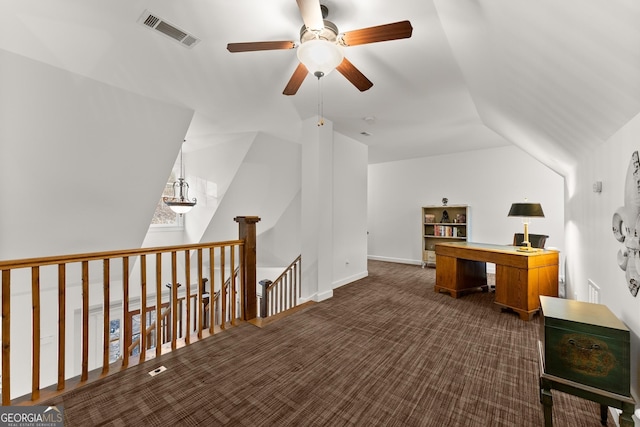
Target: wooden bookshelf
442, 224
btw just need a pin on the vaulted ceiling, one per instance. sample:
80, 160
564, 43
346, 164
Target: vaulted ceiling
554, 77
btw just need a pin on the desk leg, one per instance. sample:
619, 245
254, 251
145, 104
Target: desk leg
627, 413
547, 401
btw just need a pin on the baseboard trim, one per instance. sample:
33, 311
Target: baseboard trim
316, 297
350, 279
396, 260
323, 296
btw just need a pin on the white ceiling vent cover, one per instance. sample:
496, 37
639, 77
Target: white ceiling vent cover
153, 22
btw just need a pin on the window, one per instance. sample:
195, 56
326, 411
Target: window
114, 340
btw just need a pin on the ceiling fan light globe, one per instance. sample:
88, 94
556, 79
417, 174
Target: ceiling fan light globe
320, 55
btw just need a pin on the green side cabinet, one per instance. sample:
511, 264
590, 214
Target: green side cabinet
585, 343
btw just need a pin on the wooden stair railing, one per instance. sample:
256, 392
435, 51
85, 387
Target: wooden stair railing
231, 317
231, 297
283, 293
86, 281
149, 332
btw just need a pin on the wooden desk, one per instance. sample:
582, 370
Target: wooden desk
521, 277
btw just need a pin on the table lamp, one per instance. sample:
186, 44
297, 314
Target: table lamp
526, 211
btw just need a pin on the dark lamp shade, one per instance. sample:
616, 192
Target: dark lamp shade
527, 210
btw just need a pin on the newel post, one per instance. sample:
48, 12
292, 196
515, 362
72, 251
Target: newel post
247, 232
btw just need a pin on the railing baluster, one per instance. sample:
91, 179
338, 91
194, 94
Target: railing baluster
35, 337
125, 309
232, 283
213, 304
292, 289
6, 335
85, 321
174, 300
143, 308
159, 319
223, 289
106, 316
62, 306
200, 302
187, 279
284, 295
297, 282
272, 299
243, 293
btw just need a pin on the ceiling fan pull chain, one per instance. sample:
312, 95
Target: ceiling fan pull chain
319, 74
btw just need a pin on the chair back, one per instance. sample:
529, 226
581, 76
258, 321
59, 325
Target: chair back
537, 240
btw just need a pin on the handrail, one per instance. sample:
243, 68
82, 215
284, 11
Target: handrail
286, 271
97, 256
82, 290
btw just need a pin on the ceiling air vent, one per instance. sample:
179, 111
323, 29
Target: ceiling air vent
149, 20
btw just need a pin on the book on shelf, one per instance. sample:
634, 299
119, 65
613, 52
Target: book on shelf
445, 231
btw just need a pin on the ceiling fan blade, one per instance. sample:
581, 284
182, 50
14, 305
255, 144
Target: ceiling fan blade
380, 33
311, 14
296, 80
354, 75
253, 46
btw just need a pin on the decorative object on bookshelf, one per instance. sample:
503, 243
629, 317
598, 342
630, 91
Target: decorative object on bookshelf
442, 224
445, 201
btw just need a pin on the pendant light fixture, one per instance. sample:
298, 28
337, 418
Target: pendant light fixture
180, 202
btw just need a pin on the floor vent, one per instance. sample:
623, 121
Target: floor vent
157, 371
594, 292
153, 22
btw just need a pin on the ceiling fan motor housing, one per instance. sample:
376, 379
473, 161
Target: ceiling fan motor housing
328, 33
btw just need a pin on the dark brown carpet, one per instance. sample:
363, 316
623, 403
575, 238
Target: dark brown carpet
384, 351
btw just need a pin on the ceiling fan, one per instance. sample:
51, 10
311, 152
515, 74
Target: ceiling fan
320, 47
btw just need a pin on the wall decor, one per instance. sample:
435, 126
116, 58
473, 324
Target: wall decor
626, 226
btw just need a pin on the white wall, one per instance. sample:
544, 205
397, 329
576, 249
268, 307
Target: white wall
591, 246
349, 209
486, 180
334, 183
82, 163
265, 182
317, 210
